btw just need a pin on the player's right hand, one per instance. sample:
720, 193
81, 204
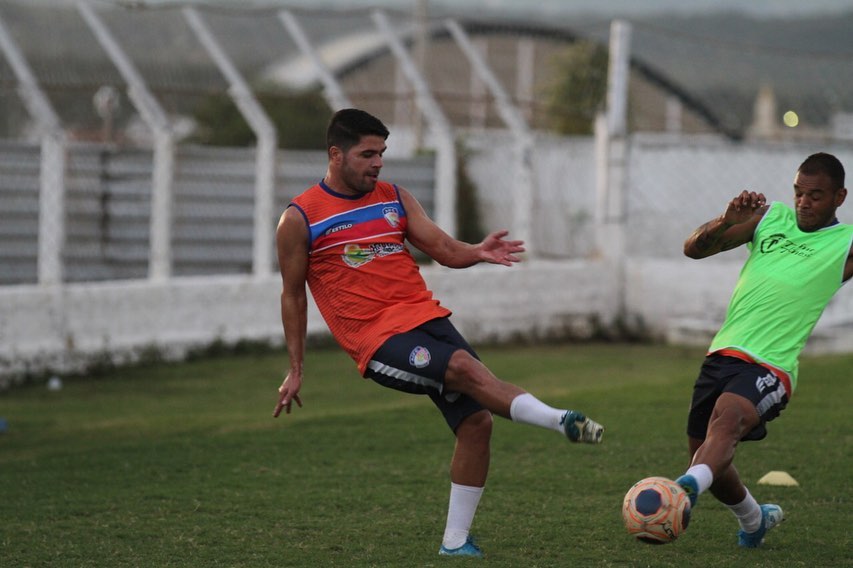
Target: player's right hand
743, 207
287, 393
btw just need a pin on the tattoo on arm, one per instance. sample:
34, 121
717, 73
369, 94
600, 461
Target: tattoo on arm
729, 244
706, 237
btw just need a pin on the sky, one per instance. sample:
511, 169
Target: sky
769, 8
600, 8
766, 8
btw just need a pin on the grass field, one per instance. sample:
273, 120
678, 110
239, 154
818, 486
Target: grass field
183, 465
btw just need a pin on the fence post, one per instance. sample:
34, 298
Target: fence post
523, 186
51, 223
332, 90
263, 128
160, 256
445, 164
612, 157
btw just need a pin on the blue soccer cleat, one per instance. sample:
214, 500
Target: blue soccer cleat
469, 549
690, 486
771, 515
579, 428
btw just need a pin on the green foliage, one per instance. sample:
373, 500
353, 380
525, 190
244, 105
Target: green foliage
183, 465
578, 90
468, 221
300, 120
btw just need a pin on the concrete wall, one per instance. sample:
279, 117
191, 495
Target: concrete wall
672, 188
684, 301
67, 328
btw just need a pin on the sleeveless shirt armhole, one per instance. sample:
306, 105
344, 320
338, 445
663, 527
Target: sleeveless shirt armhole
399, 198
763, 217
304, 218
844, 264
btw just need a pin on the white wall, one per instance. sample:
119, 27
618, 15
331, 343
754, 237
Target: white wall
564, 178
684, 301
672, 188
64, 329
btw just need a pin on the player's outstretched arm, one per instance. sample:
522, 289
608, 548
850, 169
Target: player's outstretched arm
731, 229
292, 248
428, 237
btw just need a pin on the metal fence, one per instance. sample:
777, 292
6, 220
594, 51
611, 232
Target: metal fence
102, 179
126, 79
108, 208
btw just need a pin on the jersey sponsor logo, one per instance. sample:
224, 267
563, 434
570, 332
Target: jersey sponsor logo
779, 242
766, 382
769, 243
356, 255
392, 215
338, 227
419, 357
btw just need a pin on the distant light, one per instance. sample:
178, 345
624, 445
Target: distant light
791, 119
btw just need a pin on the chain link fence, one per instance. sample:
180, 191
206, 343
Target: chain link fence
713, 108
707, 103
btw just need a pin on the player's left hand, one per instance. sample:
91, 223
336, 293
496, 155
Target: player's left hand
496, 250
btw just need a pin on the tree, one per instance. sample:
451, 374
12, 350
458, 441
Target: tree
299, 118
579, 88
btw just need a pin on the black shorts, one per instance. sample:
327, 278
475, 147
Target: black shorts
416, 362
721, 373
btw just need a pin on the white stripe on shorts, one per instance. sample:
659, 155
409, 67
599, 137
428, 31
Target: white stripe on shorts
771, 399
404, 376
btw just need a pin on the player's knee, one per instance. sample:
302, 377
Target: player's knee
733, 417
476, 429
463, 372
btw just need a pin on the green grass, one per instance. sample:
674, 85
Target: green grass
183, 465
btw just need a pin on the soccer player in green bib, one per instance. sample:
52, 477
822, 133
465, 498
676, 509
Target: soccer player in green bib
798, 259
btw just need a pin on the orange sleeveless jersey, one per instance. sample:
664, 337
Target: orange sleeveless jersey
364, 280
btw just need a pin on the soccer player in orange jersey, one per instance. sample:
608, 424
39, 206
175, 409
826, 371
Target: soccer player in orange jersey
345, 238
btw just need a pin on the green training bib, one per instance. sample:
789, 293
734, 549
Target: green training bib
783, 288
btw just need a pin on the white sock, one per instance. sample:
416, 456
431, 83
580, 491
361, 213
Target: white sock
703, 475
748, 513
460, 514
527, 409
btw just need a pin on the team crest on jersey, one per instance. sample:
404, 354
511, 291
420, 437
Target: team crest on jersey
392, 216
419, 357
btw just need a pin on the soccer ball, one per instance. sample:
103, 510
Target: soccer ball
656, 510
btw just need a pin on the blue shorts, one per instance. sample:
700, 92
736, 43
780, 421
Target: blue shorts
416, 362
721, 373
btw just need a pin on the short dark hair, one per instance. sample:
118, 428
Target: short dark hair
348, 126
823, 163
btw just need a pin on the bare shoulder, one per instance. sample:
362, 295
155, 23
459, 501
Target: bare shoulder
292, 216
292, 227
406, 196
410, 203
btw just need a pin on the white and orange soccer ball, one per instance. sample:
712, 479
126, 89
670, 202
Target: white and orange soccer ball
656, 510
